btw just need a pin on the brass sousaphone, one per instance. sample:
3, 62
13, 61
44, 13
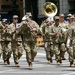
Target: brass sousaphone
49, 9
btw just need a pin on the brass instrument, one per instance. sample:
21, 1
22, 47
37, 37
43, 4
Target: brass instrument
49, 9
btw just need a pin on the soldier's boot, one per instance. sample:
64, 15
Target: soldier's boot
58, 62
17, 65
30, 65
8, 62
5, 62
72, 64
50, 61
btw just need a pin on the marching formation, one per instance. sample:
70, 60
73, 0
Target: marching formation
58, 36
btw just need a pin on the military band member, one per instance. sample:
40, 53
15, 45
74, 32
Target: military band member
29, 29
16, 41
64, 28
56, 34
48, 45
6, 41
71, 41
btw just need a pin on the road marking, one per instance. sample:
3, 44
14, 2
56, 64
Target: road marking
7, 70
39, 72
69, 73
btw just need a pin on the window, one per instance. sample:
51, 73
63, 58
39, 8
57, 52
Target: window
6, 6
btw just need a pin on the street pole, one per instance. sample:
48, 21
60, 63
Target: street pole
23, 7
14, 6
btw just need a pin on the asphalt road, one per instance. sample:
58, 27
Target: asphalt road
40, 66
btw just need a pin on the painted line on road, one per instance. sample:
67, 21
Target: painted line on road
69, 73
39, 72
4, 71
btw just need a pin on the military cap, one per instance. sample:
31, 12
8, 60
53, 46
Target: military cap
56, 18
15, 16
69, 15
29, 14
72, 16
4, 20
62, 15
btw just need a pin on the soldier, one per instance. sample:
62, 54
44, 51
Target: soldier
16, 41
29, 29
71, 41
56, 34
64, 26
6, 41
1, 29
48, 46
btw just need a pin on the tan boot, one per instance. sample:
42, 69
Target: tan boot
58, 62
49, 62
30, 66
5, 62
8, 62
71, 64
17, 65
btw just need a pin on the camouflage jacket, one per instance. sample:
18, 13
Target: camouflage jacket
26, 30
16, 36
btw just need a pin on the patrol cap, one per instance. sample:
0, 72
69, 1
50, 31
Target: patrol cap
56, 18
62, 15
15, 16
72, 16
69, 15
4, 20
24, 17
29, 14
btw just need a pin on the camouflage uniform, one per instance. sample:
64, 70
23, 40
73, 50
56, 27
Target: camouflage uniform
16, 44
64, 27
29, 38
56, 39
48, 45
1, 28
6, 43
71, 43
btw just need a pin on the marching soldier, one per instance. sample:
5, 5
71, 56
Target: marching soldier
71, 41
56, 34
16, 41
29, 29
1, 30
6, 41
64, 27
48, 45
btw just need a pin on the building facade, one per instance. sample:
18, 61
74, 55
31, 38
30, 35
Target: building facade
6, 8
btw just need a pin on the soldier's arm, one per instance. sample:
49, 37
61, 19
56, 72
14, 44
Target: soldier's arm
42, 28
51, 33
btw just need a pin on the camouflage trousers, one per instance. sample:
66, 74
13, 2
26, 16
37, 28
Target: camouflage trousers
17, 49
63, 50
0, 49
6, 48
56, 48
49, 50
71, 53
31, 50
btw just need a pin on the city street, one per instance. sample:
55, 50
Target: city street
40, 66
